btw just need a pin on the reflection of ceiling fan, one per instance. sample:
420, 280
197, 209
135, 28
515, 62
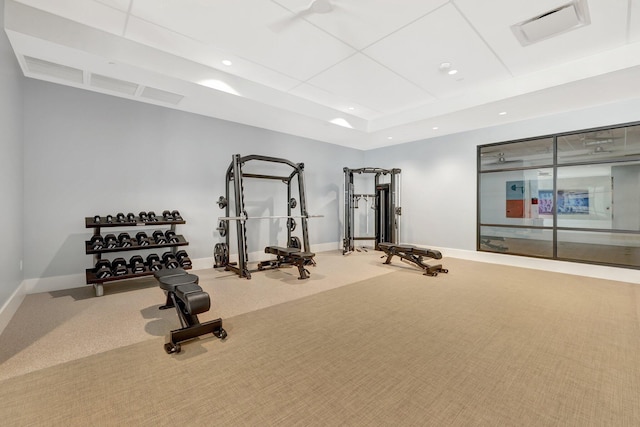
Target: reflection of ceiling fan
502, 160
315, 7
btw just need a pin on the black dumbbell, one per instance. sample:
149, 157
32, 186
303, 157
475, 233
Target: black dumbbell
120, 217
159, 237
183, 258
176, 216
169, 260
119, 267
153, 262
97, 242
131, 217
143, 239
136, 264
110, 241
171, 237
103, 269
96, 219
152, 216
109, 219
143, 216
125, 240
166, 215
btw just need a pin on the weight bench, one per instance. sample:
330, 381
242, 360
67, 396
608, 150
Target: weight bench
189, 300
414, 255
287, 257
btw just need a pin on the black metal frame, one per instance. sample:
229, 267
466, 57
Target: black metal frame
391, 215
235, 182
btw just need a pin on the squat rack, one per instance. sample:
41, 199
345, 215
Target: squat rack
387, 209
235, 185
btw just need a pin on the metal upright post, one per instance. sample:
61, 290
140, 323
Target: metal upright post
303, 208
240, 225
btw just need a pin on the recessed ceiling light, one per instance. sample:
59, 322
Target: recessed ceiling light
389, 137
227, 62
452, 72
502, 113
445, 66
351, 108
435, 128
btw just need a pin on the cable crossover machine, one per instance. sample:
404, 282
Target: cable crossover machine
387, 220
297, 253
386, 206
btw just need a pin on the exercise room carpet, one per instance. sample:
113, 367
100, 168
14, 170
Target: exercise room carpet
483, 345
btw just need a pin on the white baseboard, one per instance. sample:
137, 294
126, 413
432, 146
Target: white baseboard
577, 269
10, 307
49, 284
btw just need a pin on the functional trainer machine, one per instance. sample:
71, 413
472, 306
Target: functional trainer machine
386, 206
297, 252
413, 255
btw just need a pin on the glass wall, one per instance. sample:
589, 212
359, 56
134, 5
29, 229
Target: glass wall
573, 197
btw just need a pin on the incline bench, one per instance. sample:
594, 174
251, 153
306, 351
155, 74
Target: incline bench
287, 257
189, 300
415, 255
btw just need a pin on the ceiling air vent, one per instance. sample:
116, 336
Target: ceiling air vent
51, 69
161, 95
557, 21
114, 85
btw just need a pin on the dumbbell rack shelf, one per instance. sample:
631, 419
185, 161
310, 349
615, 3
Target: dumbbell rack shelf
97, 227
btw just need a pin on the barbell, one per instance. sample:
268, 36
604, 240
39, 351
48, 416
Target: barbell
244, 217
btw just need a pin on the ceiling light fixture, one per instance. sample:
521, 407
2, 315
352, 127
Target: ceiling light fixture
435, 128
502, 113
227, 62
389, 137
452, 72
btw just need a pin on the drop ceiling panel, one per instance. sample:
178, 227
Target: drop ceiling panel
360, 23
299, 51
373, 85
89, 12
337, 102
163, 39
606, 31
417, 51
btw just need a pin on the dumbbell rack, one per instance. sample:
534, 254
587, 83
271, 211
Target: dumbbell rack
98, 282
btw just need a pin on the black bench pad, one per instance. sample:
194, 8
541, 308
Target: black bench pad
196, 301
170, 283
410, 249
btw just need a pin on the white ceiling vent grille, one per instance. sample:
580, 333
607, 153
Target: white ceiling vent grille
557, 21
161, 95
51, 69
114, 85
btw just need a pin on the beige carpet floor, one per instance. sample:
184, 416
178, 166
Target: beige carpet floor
483, 345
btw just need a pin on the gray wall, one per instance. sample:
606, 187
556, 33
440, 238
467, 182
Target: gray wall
11, 167
88, 154
439, 174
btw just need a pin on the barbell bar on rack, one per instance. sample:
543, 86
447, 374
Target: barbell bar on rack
244, 218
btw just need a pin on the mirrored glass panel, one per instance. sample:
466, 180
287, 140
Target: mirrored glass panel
600, 247
600, 146
599, 196
536, 152
523, 197
517, 241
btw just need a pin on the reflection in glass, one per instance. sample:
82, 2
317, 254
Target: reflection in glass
519, 241
609, 248
536, 152
599, 146
521, 197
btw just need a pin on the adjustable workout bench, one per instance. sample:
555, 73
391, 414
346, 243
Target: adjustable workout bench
189, 300
414, 255
286, 257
